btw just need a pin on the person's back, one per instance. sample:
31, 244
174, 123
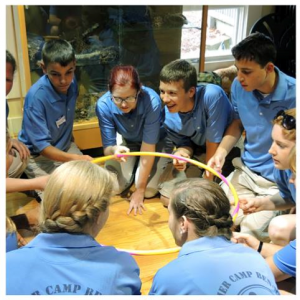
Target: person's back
208, 262
215, 266
65, 258
68, 264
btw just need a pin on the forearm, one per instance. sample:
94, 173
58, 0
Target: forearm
20, 185
278, 203
146, 164
211, 149
231, 137
269, 249
56, 154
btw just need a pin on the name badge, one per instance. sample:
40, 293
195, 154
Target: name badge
60, 121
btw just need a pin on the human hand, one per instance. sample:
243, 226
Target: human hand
180, 165
137, 202
119, 150
245, 239
21, 148
216, 162
250, 206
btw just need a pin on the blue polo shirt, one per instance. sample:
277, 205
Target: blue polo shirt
215, 266
208, 120
285, 259
140, 125
287, 190
48, 116
256, 113
70, 264
11, 241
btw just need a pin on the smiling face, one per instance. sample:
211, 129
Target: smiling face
175, 97
125, 92
280, 148
60, 77
253, 77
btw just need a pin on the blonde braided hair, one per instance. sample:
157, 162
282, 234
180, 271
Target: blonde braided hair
76, 193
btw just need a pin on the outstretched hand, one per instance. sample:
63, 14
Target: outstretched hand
137, 203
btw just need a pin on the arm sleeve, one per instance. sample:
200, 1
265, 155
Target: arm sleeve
234, 99
285, 259
219, 113
36, 126
153, 120
106, 124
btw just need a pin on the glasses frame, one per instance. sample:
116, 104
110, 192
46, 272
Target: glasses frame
124, 100
288, 122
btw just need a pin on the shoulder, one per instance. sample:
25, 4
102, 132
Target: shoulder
211, 92
147, 93
104, 102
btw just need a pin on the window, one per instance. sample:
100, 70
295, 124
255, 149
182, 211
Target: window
226, 26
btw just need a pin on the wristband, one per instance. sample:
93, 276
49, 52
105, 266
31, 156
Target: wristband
260, 246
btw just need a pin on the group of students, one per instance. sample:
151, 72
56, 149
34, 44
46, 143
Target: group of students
197, 121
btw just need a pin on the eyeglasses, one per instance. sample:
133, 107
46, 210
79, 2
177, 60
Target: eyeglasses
288, 122
130, 99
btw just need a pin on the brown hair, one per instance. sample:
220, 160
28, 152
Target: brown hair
205, 204
124, 75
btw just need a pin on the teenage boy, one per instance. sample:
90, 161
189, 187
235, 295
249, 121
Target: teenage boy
258, 93
49, 112
196, 118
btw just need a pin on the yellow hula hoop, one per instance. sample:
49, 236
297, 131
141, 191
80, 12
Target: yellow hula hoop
189, 160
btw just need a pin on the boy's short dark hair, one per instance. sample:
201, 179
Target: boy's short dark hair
177, 70
11, 60
58, 51
256, 47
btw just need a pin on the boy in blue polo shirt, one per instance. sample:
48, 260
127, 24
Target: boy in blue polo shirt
49, 112
258, 93
196, 118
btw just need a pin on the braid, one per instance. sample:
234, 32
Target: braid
74, 205
205, 204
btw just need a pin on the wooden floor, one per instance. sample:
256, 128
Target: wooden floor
142, 232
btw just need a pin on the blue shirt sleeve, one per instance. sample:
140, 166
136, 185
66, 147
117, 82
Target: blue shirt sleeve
285, 259
36, 126
234, 87
286, 189
218, 113
11, 241
106, 122
153, 119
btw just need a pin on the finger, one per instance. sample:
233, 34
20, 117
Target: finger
135, 211
129, 210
